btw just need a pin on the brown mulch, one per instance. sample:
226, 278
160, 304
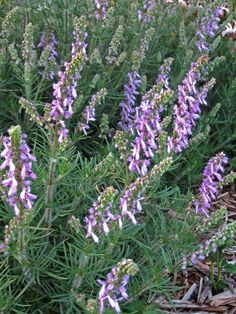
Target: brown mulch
198, 296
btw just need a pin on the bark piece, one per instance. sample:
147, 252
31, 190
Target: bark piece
190, 292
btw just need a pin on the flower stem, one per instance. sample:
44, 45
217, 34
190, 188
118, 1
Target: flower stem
51, 178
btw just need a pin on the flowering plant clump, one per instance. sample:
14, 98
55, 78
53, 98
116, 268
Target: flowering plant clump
95, 86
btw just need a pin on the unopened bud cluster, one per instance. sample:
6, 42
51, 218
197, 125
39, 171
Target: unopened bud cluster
213, 220
115, 44
139, 55
217, 243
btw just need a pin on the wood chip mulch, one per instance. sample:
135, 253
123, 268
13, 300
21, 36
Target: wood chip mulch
197, 296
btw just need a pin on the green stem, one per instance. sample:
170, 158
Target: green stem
38, 88
51, 178
219, 267
28, 80
26, 12
79, 278
22, 240
212, 276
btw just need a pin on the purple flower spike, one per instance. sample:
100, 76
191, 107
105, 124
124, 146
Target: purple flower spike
145, 124
89, 112
210, 184
101, 9
100, 216
146, 127
65, 90
18, 161
187, 111
113, 290
208, 27
128, 105
148, 13
48, 42
164, 71
130, 202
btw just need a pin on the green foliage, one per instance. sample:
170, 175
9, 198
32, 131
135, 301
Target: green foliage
59, 268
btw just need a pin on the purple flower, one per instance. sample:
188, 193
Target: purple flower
2, 247
148, 13
130, 202
65, 90
87, 115
113, 290
164, 72
146, 123
89, 112
208, 27
187, 111
48, 42
18, 163
80, 35
209, 187
100, 216
146, 127
128, 105
101, 9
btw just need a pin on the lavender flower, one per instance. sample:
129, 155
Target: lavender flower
128, 105
146, 128
101, 9
130, 202
149, 11
209, 187
164, 72
146, 123
187, 111
2, 247
80, 35
18, 162
100, 215
89, 111
48, 57
65, 90
208, 27
113, 289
